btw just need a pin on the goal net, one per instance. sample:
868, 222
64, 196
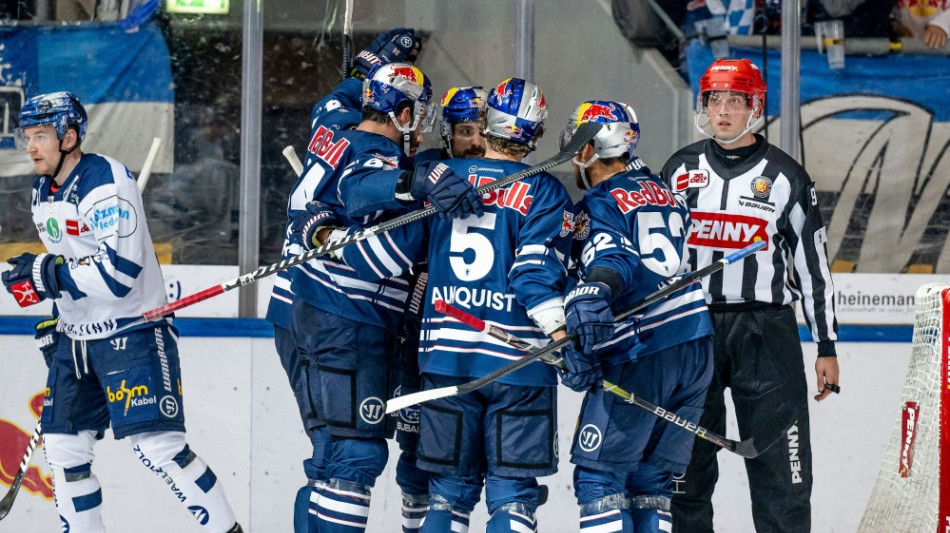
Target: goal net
912, 493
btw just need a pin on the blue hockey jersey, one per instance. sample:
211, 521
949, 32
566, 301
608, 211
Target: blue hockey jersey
97, 223
633, 224
354, 173
339, 110
500, 267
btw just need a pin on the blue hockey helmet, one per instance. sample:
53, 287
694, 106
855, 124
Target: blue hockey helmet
460, 105
60, 109
388, 86
516, 111
621, 131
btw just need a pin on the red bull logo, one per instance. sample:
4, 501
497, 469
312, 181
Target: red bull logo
504, 90
592, 110
409, 73
567, 224
13, 442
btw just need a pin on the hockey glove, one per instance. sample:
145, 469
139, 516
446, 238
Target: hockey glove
400, 45
46, 338
32, 278
589, 317
452, 196
582, 371
307, 224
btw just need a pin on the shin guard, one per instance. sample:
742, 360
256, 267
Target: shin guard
441, 517
188, 477
76, 489
513, 517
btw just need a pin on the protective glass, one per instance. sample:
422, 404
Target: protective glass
41, 137
426, 117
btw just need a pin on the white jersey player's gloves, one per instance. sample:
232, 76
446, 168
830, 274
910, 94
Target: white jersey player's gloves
452, 196
32, 278
305, 228
589, 317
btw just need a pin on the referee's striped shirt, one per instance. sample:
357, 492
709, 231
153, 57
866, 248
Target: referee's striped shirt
768, 196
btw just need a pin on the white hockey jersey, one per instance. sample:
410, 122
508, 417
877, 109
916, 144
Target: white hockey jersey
96, 221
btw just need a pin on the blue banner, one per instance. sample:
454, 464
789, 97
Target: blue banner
123, 78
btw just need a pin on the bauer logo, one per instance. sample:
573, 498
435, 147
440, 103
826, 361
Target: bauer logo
909, 414
589, 438
372, 410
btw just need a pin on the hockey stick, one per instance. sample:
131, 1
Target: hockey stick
347, 37
292, 158
401, 402
584, 134
745, 448
147, 166
7, 502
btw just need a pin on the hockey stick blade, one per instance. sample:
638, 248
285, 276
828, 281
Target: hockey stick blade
584, 134
401, 402
7, 502
673, 286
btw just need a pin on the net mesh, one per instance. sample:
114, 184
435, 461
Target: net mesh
910, 504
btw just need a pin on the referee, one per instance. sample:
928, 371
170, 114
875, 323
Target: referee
741, 189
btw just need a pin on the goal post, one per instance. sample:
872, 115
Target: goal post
912, 492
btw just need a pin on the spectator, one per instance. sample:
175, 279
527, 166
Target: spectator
928, 20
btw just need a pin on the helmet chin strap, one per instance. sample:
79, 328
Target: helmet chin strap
406, 130
582, 168
62, 158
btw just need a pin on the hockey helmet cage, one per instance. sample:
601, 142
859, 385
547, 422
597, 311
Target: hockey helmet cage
618, 137
516, 111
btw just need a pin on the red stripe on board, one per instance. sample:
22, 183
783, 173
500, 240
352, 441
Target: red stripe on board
943, 523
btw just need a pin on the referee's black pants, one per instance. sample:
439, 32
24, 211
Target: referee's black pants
758, 355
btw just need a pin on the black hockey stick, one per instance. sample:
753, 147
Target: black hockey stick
745, 448
7, 502
584, 134
347, 37
401, 402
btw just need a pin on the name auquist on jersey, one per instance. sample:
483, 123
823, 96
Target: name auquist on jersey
515, 196
724, 230
323, 147
649, 193
468, 297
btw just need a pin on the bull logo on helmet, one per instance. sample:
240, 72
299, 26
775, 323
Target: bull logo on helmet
409, 73
592, 111
504, 90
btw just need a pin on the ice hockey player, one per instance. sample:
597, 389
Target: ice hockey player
629, 241
460, 125
102, 274
347, 326
460, 119
512, 273
339, 110
740, 188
